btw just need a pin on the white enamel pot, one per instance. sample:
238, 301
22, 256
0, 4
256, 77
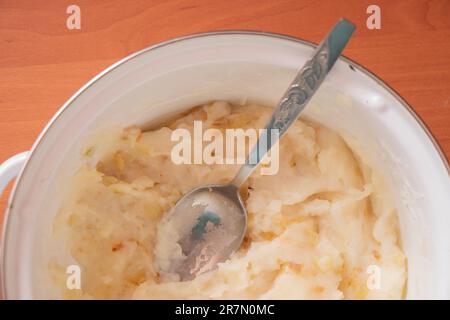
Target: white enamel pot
236, 66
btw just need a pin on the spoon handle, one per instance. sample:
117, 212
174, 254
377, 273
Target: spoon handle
299, 93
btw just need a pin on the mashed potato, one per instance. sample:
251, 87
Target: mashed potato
324, 227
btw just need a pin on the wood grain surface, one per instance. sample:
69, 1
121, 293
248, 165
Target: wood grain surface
42, 63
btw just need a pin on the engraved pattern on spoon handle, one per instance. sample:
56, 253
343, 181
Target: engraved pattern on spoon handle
299, 93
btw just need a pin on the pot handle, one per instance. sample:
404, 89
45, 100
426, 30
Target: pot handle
11, 168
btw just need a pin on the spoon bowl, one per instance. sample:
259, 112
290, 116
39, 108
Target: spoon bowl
208, 224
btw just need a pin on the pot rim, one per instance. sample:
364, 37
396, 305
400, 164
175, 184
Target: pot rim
99, 76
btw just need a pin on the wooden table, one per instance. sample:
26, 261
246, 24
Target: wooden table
42, 62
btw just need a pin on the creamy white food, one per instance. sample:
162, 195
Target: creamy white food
324, 227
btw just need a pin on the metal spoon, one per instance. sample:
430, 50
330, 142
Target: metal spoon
209, 222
